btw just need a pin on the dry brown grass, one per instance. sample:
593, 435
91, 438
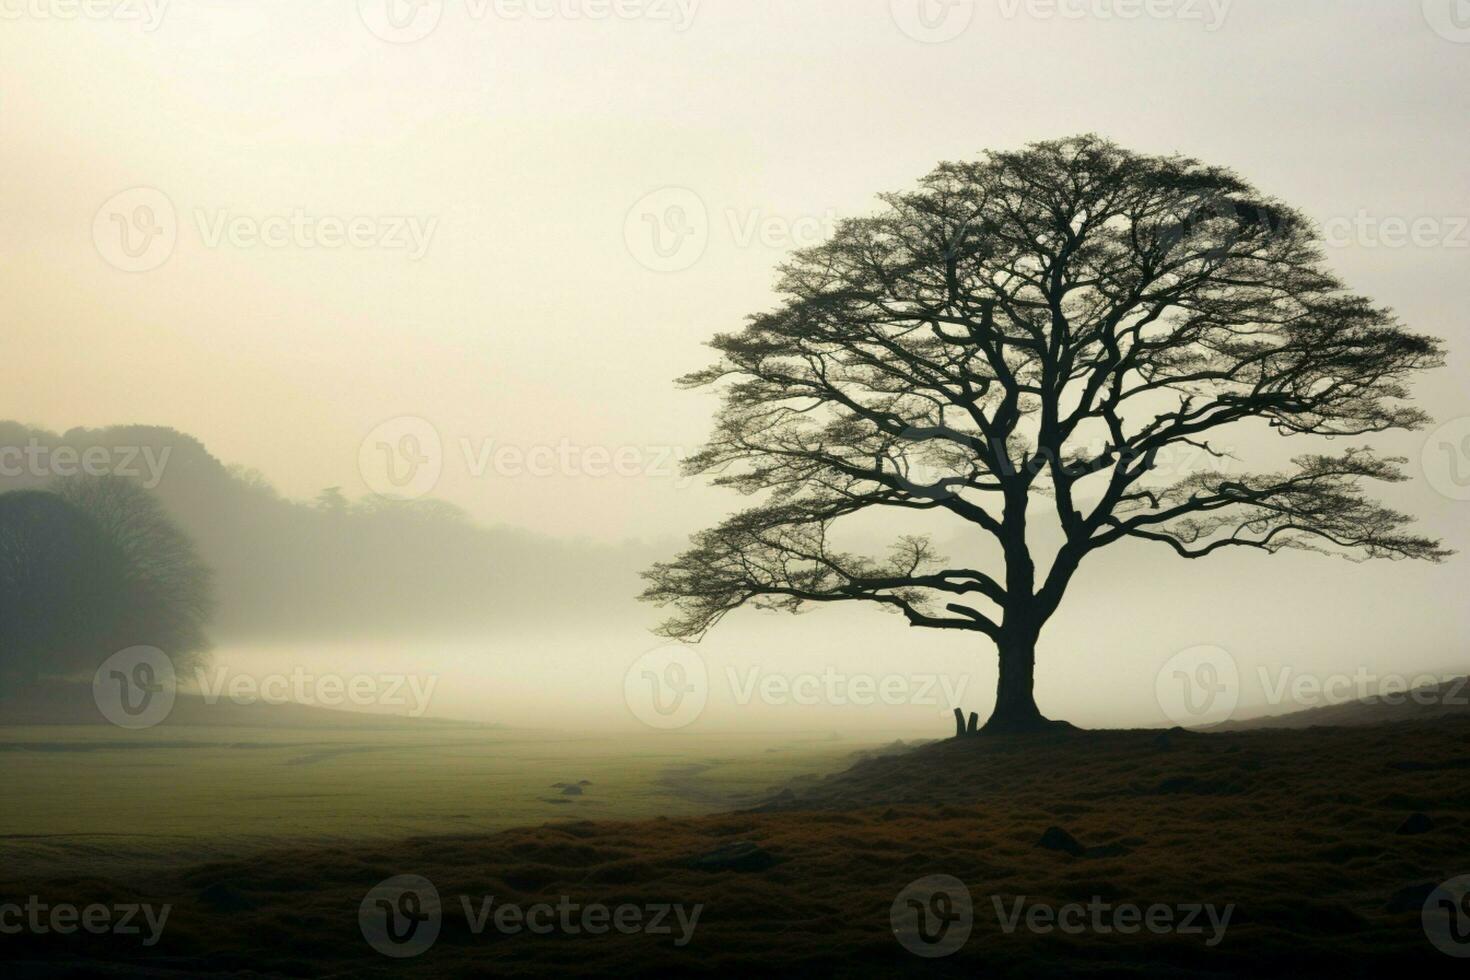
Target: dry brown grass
1296, 829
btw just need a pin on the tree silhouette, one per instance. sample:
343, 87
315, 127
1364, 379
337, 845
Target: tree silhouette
51, 593
1029, 334
89, 568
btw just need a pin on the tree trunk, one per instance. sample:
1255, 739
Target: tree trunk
1015, 700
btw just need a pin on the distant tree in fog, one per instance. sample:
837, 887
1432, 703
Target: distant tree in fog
1029, 336
89, 568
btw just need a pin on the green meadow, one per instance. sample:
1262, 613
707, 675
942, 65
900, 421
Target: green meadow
107, 801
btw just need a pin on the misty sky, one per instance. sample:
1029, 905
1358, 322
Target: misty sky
503, 179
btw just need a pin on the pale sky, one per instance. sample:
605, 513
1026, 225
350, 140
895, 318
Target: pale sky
505, 286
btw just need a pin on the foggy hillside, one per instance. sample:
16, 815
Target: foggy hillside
338, 567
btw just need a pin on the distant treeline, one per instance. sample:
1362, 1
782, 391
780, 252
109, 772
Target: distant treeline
336, 567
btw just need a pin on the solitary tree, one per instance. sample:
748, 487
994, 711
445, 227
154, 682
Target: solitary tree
1036, 332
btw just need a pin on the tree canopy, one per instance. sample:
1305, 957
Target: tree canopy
91, 567
1043, 324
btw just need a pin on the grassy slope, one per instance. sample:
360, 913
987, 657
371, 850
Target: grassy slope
1297, 829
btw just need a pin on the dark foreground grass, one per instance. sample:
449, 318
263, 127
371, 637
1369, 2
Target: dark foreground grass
1297, 830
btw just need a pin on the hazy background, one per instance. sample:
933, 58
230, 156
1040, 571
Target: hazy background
539, 313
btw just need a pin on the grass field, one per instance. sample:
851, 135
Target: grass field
110, 801
1322, 847
1297, 832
